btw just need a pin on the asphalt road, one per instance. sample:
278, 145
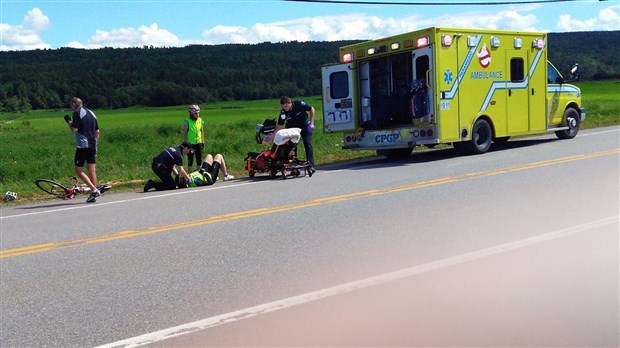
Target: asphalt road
516, 247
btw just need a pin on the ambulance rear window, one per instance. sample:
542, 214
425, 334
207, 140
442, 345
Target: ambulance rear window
517, 71
339, 85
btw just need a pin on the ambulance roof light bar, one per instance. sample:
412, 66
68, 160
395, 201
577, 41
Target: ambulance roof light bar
494, 41
422, 41
518, 42
472, 41
538, 43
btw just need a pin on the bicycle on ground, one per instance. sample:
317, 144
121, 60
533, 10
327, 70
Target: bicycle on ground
67, 191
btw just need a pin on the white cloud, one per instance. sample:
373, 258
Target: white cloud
608, 19
323, 28
150, 35
361, 26
25, 36
504, 20
37, 20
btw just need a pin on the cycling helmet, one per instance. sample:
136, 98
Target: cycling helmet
10, 196
193, 109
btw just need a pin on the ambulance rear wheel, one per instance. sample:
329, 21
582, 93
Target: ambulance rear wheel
481, 137
571, 119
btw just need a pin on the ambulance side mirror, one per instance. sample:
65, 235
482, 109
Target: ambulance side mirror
575, 72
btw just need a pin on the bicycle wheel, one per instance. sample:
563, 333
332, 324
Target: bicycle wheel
52, 187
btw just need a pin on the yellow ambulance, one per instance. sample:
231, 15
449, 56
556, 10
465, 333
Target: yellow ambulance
465, 87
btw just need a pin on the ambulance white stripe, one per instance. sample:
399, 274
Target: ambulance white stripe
537, 58
463, 70
563, 89
501, 85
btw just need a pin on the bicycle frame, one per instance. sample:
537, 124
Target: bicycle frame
69, 191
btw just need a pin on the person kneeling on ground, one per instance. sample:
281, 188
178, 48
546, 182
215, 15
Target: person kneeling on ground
209, 171
165, 164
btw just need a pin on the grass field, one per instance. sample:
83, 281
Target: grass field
39, 145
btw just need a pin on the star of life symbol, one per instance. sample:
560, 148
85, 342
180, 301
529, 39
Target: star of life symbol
447, 76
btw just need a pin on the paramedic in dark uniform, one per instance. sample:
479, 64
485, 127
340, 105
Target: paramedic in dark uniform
294, 114
167, 163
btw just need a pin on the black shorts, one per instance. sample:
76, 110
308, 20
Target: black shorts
214, 170
84, 155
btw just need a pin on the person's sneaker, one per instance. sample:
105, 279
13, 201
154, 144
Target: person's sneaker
149, 185
228, 177
93, 196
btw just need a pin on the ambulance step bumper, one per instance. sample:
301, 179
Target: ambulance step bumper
555, 129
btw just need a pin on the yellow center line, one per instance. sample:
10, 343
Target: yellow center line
38, 248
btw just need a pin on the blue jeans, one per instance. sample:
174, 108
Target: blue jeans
307, 138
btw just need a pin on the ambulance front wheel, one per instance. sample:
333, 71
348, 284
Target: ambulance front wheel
571, 119
481, 137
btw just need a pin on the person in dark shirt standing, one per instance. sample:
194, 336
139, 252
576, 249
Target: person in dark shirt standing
298, 114
167, 163
86, 129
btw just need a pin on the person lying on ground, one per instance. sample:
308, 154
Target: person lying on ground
209, 172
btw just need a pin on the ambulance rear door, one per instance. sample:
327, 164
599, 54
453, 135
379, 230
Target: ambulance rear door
338, 98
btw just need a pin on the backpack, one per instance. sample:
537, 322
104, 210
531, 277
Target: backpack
419, 99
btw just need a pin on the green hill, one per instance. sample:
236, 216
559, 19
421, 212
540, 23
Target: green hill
118, 78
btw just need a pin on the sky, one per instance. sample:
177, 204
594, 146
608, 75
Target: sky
91, 24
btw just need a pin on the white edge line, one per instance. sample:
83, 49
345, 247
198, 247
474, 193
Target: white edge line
597, 133
352, 286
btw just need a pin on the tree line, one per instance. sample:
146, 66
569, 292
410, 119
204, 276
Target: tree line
112, 78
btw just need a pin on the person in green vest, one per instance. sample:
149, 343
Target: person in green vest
193, 133
209, 171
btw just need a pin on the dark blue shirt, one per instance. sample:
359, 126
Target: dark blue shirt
170, 156
297, 117
86, 123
